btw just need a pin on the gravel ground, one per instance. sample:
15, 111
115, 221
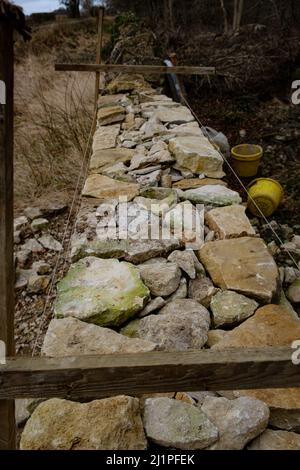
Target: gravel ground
273, 123
34, 311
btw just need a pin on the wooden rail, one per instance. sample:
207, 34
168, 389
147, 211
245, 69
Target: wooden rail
101, 376
140, 69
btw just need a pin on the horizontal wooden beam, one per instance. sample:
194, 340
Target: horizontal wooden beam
141, 69
134, 374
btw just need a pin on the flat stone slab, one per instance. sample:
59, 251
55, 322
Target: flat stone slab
102, 159
229, 222
110, 115
81, 247
197, 155
191, 183
110, 424
215, 195
134, 251
113, 100
105, 137
102, 187
128, 82
106, 292
169, 114
271, 325
161, 156
145, 97
276, 440
72, 337
186, 129
139, 251
243, 265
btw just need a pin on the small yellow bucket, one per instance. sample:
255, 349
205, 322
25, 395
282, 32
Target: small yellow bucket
246, 159
264, 196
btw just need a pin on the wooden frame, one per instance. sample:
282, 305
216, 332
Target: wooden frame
139, 69
99, 50
89, 377
7, 415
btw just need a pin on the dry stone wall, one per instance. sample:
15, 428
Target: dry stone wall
216, 285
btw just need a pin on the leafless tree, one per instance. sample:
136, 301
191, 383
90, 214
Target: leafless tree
237, 15
169, 13
86, 6
225, 16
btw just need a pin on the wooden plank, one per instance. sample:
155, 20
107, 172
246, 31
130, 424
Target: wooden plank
99, 51
102, 376
7, 417
140, 69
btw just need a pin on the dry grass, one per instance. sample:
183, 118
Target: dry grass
53, 110
53, 117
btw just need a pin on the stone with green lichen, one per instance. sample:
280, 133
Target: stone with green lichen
230, 308
105, 292
172, 423
81, 247
215, 195
134, 251
156, 193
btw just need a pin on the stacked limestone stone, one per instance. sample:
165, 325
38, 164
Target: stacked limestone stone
137, 295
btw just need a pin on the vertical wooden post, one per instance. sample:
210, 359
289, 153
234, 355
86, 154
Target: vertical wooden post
99, 50
7, 413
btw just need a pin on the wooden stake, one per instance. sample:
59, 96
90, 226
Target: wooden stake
99, 51
7, 414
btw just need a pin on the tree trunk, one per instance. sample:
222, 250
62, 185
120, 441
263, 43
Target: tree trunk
225, 17
235, 15
168, 14
239, 15
171, 14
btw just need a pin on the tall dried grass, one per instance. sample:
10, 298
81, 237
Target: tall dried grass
53, 117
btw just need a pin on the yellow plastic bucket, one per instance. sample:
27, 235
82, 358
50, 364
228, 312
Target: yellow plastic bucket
264, 196
246, 159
